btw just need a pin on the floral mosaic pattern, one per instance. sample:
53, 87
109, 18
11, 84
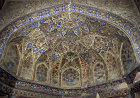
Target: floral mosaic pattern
41, 73
130, 29
71, 77
99, 75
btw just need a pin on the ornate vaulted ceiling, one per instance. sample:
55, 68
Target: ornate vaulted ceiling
69, 50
